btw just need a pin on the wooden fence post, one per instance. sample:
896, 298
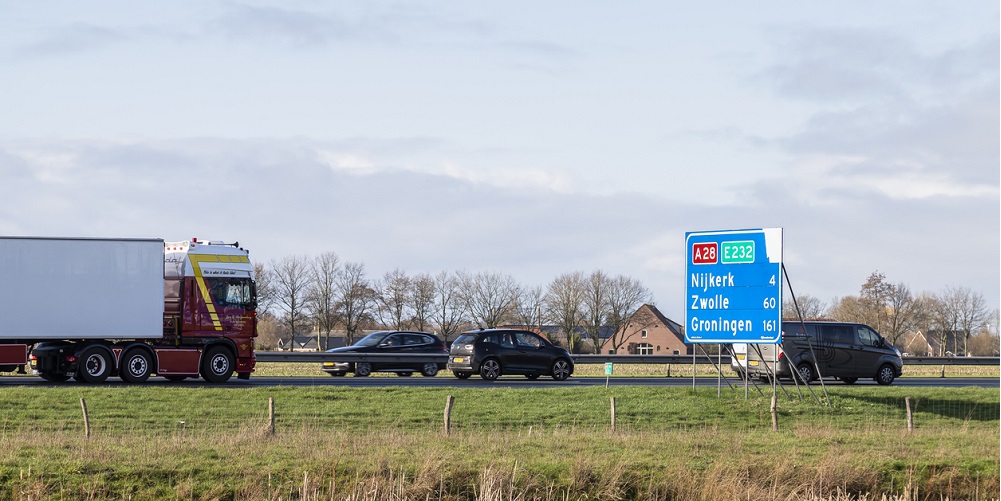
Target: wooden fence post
448, 414
775, 414
86, 419
613, 414
271, 415
910, 416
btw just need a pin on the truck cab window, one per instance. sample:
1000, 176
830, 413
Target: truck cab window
231, 292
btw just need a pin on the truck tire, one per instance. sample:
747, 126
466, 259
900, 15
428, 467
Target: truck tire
53, 377
217, 364
135, 366
95, 365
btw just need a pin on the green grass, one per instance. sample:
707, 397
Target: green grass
181, 442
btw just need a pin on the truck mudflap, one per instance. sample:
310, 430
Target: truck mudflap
244, 366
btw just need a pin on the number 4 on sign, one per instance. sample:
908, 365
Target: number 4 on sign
772, 281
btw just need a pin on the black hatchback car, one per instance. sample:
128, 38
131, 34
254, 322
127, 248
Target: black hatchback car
496, 352
391, 342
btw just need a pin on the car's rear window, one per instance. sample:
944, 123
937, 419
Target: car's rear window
466, 338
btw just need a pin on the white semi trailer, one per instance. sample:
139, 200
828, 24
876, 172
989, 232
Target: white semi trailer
90, 308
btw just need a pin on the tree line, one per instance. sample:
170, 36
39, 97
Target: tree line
320, 295
955, 321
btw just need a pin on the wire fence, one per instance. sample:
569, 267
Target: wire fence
321, 409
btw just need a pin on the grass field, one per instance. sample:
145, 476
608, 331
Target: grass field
555, 443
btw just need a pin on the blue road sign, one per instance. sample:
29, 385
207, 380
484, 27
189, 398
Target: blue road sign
734, 286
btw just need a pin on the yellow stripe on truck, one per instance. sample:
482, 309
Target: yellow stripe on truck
196, 260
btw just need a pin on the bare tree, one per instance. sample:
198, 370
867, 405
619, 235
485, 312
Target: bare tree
529, 308
565, 306
264, 282
967, 309
597, 307
423, 301
324, 296
393, 299
489, 297
875, 294
356, 297
448, 307
809, 307
625, 296
902, 312
850, 309
292, 283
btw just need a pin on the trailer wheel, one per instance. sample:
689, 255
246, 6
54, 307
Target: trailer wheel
95, 365
217, 364
136, 366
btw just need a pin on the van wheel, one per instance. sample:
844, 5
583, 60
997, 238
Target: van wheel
805, 371
849, 380
885, 375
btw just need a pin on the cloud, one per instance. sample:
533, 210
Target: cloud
890, 121
278, 197
74, 38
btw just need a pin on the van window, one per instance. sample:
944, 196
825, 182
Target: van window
843, 334
796, 329
868, 337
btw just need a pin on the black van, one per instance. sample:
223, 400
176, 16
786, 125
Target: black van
843, 350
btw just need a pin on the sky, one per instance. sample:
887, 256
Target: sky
526, 138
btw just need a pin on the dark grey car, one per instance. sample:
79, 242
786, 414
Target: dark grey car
492, 353
390, 342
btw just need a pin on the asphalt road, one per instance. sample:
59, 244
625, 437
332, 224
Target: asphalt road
443, 381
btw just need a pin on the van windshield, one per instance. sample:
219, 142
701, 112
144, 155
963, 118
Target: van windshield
868, 337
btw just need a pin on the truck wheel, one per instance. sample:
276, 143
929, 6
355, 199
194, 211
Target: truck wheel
95, 365
55, 378
136, 366
217, 364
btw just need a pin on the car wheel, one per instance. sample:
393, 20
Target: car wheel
95, 366
462, 375
805, 371
561, 369
363, 369
849, 380
533, 376
885, 375
137, 365
217, 364
490, 369
429, 370
404, 374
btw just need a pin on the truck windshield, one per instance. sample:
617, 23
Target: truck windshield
238, 292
